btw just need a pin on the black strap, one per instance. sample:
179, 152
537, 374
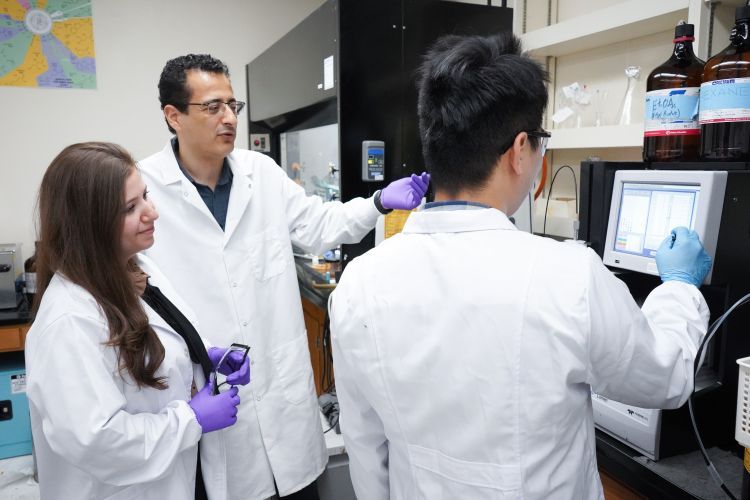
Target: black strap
174, 318
379, 204
200, 485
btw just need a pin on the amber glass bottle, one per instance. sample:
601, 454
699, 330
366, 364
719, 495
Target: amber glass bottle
29, 267
672, 131
725, 97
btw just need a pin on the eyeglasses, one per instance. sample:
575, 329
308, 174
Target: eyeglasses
543, 137
217, 105
232, 348
540, 134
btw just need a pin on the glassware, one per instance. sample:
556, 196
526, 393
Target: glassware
625, 116
572, 101
725, 97
598, 100
671, 128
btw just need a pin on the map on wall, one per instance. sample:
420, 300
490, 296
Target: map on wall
47, 43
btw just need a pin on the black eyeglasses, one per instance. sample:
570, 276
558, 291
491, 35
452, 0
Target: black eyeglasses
543, 137
540, 134
232, 348
217, 105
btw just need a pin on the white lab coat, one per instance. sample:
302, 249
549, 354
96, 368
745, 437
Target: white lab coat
242, 284
97, 435
466, 352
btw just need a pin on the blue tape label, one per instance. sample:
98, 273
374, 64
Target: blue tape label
725, 101
672, 112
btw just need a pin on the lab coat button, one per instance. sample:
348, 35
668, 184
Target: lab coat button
234, 284
244, 323
258, 398
185, 194
252, 362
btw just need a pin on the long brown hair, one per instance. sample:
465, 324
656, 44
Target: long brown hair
81, 213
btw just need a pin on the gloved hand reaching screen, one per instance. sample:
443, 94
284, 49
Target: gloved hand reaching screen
681, 257
215, 412
406, 193
236, 365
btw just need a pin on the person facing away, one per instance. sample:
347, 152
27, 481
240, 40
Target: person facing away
115, 410
229, 218
465, 350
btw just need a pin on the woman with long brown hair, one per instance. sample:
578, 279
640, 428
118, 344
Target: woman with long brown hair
113, 357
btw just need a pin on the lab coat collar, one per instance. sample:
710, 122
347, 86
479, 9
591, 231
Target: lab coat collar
171, 173
459, 221
240, 195
239, 167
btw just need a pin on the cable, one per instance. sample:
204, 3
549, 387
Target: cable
549, 194
699, 358
327, 385
326, 381
531, 214
714, 328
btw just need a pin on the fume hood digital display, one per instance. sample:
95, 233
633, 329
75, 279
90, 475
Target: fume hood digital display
373, 161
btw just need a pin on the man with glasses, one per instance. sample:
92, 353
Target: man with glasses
228, 218
466, 350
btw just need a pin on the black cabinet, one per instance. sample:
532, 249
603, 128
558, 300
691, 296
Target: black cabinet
377, 47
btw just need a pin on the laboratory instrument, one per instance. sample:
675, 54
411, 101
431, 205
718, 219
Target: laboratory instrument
695, 197
10, 275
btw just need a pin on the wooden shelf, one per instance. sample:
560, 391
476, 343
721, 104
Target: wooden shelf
621, 22
610, 136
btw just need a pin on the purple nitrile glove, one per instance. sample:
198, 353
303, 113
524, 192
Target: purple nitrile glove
405, 193
215, 412
236, 365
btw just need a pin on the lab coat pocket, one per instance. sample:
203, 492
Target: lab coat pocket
293, 367
439, 476
128, 493
267, 254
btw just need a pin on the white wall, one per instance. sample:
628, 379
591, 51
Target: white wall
133, 39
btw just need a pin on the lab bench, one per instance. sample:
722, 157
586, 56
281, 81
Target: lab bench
679, 477
314, 290
312, 280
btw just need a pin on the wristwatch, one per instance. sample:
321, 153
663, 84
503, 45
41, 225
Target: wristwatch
378, 205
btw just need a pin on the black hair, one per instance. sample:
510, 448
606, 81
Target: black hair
476, 94
173, 88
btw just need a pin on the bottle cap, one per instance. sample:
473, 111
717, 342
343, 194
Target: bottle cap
684, 29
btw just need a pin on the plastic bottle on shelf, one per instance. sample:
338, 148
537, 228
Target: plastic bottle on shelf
671, 129
725, 97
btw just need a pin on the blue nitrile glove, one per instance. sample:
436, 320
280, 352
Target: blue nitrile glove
406, 193
681, 257
234, 366
215, 412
